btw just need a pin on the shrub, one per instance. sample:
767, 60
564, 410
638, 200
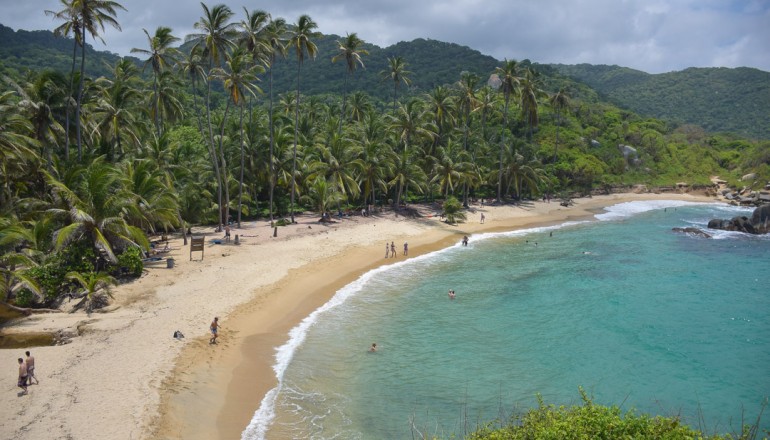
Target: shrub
131, 260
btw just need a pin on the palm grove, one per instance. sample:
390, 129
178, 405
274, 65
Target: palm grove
93, 166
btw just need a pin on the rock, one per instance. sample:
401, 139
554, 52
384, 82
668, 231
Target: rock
751, 176
759, 223
595, 143
692, 231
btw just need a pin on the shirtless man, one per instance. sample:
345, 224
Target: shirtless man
31, 369
392, 249
214, 330
22, 376
373, 348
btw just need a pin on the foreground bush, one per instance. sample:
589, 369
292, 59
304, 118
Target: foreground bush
589, 421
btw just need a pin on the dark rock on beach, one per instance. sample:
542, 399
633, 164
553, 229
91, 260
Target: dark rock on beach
759, 223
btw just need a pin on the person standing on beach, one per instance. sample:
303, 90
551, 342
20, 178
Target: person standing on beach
22, 376
30, 362
214, 330
406, 249
392, 249
227, 233
387, 249
482, 218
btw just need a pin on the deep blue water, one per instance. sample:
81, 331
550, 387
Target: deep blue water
637, 315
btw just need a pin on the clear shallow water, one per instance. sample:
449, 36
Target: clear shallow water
648, 319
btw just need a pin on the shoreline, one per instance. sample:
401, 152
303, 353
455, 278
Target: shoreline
125, 366
251, 375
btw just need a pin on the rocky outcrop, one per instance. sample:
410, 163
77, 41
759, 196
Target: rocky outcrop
692, 231
759, 223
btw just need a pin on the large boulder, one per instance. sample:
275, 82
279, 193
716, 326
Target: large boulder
761, 219
759, 223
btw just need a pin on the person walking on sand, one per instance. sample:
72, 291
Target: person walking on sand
31, 369
392, 249
406, 248
22, 376
482, 218
387, 249
227, 233
214, 330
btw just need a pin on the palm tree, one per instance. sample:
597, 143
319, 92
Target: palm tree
301, 39
41, 96
72, 26
397, 73
349, 50
214, 38
160, 55
192, 67
530, 94
95, 285
92, 16
114, 109
510, 80
14, 260
275, 33
17, 147
559, 101
96, 208
238, 78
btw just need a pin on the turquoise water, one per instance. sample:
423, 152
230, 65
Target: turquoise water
637, 315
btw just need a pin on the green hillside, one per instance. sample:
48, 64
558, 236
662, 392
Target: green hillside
717, 99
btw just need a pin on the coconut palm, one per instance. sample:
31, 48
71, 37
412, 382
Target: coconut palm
71, 26
238, 77
376, 157
510, 80
96, 209
559, 101
17, 147
192, 67
14, 260
275, 36
350, 51
91, 16
114, 110
301, 39
161, 55
215, 38
41, 97
452, 210
531, 93
397, 73
94, 286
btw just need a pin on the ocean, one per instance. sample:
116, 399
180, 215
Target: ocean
638, 316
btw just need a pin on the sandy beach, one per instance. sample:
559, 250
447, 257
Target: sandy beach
123, 375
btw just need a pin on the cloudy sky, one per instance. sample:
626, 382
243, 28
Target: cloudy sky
650, 35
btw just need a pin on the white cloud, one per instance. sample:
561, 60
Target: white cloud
649, 35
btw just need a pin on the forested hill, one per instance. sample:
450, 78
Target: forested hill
717, 99
37, 50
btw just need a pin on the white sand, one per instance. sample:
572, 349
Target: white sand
118, 380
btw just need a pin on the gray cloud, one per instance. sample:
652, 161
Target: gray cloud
649, 35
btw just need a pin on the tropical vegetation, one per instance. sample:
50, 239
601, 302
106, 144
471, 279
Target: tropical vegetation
257, 117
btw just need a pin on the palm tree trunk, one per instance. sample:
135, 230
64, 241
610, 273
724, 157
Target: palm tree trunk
155, 100
69, 98
80, 98
272, 141
296, 135
224, 164
502, 146
212, 152
344, 100
240, 180
556, 145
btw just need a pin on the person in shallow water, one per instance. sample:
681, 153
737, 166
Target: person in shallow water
373, 348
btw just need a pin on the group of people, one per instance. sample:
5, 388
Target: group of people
26, 372
390, 249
